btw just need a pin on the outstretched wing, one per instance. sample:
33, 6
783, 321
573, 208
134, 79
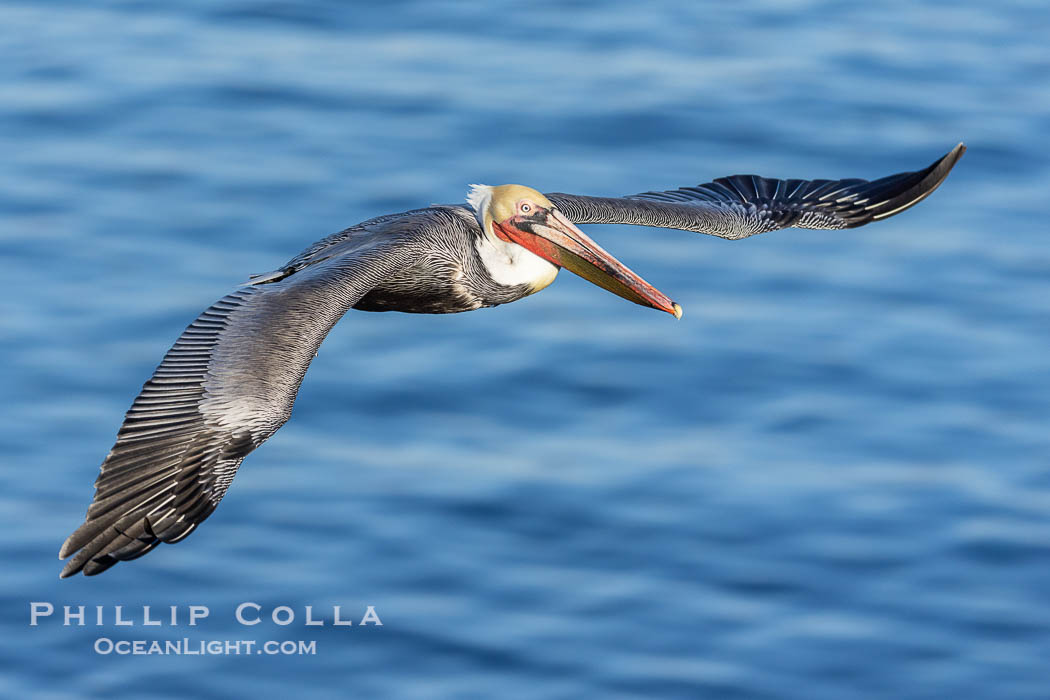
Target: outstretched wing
227, 384
743, 205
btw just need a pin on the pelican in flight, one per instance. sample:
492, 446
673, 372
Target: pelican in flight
230, 380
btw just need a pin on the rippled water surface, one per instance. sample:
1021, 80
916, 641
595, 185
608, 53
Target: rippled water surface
829, 480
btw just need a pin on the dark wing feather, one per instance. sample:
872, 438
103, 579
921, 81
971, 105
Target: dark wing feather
743, 205
227, 384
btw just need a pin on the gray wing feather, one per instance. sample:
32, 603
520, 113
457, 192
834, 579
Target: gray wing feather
227, 384
743, 205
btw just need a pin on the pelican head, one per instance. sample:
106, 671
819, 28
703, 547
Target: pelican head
523, 225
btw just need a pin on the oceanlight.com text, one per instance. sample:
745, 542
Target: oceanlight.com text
214, 647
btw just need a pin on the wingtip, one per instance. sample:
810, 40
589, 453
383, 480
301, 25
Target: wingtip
956, 153
69, 569
937, 172
944, 166
925, 182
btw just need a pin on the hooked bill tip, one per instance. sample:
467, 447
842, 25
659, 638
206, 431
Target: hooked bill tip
677, 311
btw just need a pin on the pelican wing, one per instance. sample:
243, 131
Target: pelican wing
227, 385
743, 205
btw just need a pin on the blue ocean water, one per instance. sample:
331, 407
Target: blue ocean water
829, 480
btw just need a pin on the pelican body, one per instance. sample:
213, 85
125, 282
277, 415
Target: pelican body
230, 380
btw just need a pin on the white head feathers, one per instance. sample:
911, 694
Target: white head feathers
479, 197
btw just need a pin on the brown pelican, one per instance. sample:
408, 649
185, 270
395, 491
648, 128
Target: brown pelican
230, 380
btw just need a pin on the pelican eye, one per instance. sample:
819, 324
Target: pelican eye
525, 207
